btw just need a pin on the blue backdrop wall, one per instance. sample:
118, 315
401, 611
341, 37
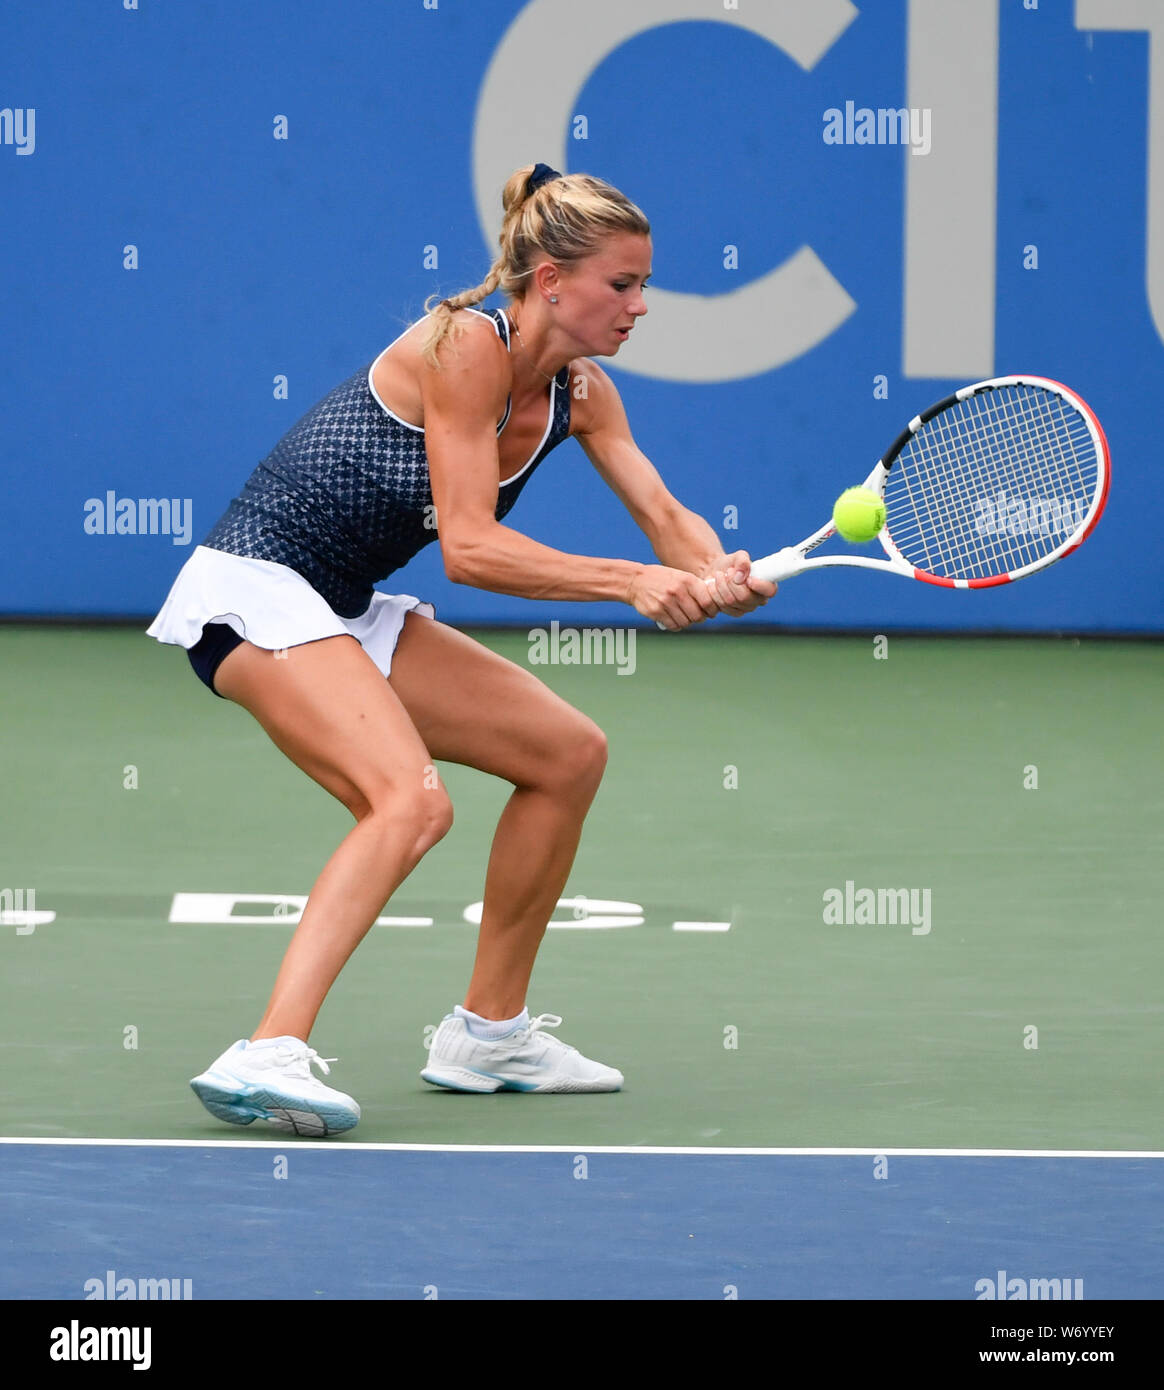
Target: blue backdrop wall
200, 200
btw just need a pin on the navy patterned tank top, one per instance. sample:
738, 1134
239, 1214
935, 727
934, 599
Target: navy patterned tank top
344, 497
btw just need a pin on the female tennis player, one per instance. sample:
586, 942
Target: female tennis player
366, 691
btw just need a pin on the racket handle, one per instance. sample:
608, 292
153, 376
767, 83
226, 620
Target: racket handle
662, 627
781, 565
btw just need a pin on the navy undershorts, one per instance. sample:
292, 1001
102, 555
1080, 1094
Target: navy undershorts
218, 640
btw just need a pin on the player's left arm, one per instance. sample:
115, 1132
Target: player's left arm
679, 537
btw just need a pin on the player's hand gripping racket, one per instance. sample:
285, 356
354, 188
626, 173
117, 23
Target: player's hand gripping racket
993, 483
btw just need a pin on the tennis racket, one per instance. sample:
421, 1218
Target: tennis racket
992, 484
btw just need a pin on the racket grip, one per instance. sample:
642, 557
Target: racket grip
662, 626
773, 568
780, 565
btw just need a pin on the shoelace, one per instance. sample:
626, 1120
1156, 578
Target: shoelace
301, 1059
549, 1021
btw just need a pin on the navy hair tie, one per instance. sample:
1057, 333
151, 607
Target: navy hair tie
542, 174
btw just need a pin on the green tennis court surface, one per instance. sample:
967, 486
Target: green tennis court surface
753, 781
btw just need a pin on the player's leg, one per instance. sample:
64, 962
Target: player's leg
471, 706
328, 708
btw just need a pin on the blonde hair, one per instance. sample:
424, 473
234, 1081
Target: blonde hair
566, 219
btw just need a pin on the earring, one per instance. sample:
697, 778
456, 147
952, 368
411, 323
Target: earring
553, 299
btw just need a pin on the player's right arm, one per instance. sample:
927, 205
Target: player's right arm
463, 401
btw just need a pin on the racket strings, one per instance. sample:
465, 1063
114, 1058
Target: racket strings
993, 483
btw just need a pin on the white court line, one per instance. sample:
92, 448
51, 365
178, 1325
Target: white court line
341, 1147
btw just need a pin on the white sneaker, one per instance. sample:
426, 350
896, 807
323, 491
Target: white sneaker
526, 1060
274, 1083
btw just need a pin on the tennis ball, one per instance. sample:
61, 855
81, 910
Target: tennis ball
858, 514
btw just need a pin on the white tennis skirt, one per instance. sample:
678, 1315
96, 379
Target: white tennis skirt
273, 607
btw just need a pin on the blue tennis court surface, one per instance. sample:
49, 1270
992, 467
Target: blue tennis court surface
303, 1221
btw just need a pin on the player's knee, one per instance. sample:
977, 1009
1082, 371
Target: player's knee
427, 819
581, 759
436, 817
419, 817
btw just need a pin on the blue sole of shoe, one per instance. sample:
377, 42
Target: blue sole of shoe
284, 1112
464, 1079
489, 1085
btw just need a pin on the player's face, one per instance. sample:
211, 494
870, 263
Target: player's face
603, 295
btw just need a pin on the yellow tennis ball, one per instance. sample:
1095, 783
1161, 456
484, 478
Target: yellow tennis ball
858, 514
